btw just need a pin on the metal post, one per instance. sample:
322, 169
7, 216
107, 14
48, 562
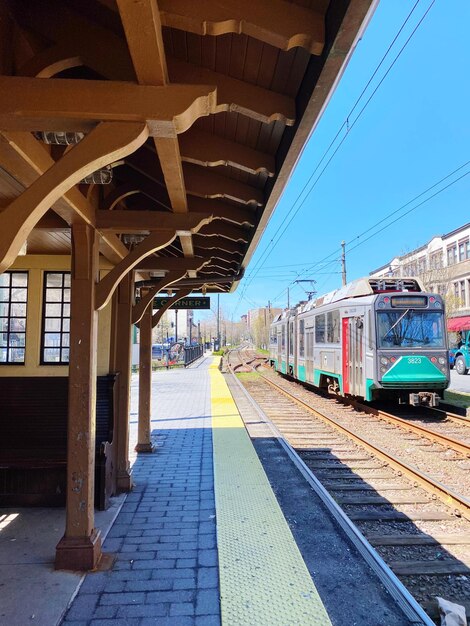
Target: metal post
218, 320
176, 325
343, 261
288, 299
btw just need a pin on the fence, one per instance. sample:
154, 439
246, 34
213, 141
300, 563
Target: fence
191, 353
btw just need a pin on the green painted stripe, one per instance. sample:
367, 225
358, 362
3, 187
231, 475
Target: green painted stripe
414, 369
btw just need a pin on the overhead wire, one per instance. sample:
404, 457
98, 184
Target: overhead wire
269, 249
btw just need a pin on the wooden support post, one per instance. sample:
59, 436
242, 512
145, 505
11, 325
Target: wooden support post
80, 547
123, 366
144, 442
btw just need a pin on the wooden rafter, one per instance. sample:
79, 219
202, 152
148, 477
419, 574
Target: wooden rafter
217, 243
283, 25
236, 95
229, 231
237, 214
153, 263
143, 30
207, 183
210, 150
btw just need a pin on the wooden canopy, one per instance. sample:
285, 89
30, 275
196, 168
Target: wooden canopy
192, 113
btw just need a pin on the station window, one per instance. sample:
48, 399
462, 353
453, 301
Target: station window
301, 339
13, 302
320, 328
56, 319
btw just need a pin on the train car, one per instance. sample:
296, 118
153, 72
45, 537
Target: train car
372, 339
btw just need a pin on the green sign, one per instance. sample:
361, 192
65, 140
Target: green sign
184, 303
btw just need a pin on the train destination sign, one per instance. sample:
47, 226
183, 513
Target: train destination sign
185, 303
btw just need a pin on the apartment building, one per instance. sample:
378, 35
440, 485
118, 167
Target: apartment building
444, 266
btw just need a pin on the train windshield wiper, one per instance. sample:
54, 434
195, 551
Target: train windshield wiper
397, 322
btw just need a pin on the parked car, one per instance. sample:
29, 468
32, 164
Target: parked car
459, 348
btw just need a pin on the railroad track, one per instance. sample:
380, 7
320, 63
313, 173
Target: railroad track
419, 525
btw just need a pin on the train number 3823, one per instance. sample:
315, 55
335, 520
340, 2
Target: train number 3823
414, 360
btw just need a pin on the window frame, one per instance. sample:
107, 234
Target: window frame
61, 347
10, 317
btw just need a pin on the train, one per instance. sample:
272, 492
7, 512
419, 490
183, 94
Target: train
373, 339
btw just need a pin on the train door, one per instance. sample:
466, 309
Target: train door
279, 347
309, 354
290, 347
353, 355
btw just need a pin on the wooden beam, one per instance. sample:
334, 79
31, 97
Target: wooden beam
170, 160
236, 95
236, 214
139, 309
229, 231
79, 105
98, 47
281, 24
52, 222
108, 284
186, 242
217, 243
26, 159
206, 183
128, 221
141, 22
117, 195
51, 61
153, 263
152, 243
182, 293
133, 181
211, 150
143, 30
105, 144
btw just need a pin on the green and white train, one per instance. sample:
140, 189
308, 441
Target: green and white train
373, 339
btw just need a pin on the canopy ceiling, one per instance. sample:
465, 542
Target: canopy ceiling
227, 94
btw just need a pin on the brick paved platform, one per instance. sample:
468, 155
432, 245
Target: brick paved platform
164, 538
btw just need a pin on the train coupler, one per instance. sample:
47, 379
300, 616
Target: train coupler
424, 398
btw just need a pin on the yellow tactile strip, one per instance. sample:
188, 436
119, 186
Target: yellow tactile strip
263, 578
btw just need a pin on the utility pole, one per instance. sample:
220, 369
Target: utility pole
288, 299
218, 320
343, 261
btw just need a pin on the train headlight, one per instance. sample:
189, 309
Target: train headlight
442, 360
437, 305
383, 369
384, 360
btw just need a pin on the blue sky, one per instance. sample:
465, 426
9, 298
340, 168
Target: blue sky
414, 131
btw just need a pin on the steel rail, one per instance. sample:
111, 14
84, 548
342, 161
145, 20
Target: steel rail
411, 608
459, 503
444, 440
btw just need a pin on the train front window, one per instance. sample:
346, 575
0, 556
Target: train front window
410, 328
